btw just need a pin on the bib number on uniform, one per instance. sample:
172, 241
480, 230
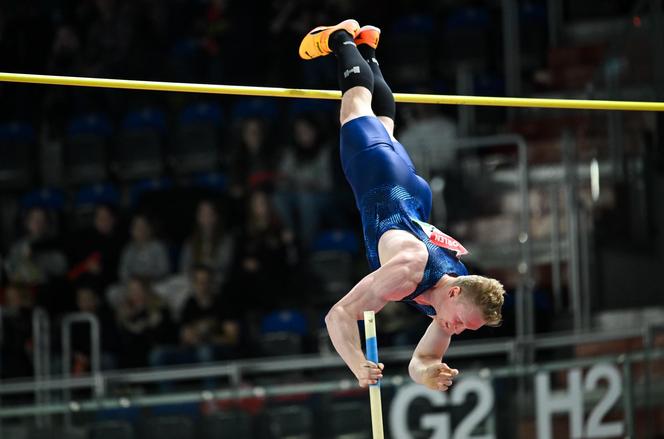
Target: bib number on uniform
441, 239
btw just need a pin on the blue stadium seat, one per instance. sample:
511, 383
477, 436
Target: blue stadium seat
47, 198
146, 118
468, 18
215, 181
471, 25
129, 415
487, 84
201, 112
263, 108
197, 141
312, 106
531, 12
411, 37
17, 153
87, 197
139, 146
419, 24
144, 186
283, 332
334, 271
288, 320
86, 147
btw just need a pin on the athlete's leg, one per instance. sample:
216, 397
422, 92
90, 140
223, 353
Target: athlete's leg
383, 104
355, 77
370, 156
384, 107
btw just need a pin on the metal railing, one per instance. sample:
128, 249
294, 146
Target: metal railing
238, 371
41, 334
95, 352
630, 401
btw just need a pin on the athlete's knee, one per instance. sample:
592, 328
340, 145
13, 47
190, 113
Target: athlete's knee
356, 102
388, 123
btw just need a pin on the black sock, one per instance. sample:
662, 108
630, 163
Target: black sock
353, 69
382, 101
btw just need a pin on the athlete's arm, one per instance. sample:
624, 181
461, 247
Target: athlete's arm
425, 367
393, 281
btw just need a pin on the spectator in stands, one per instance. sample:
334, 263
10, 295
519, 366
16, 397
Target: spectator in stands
95, 253
144, 322
65, 59
16, 334
144, 256
109, 37
65, 56
37, 258
304, 190
89, 300
209, 244
252, 159
217, 39
209, 326
427, 127
265, 255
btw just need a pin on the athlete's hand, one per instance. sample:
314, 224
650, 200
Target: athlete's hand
369, 373
439, 376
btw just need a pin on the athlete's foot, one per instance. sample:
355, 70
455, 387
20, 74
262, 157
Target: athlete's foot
368, 35
316, 43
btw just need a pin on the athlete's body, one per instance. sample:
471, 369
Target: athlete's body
410, 264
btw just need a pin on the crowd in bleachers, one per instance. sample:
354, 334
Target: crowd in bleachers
183, 223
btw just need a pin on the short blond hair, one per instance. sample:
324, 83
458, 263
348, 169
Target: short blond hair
486, 293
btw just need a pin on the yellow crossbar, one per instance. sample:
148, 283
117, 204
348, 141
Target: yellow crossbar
580, 104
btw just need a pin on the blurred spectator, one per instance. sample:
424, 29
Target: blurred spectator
109, 37
65, 59
218, 38
144, 256
425, 129
252, 159
143, 322
209, 244
16, 334
209, 327
88, 300
304, 191
264, 258
95, 252
37, 258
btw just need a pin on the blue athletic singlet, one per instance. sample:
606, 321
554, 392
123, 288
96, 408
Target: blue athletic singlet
390, 195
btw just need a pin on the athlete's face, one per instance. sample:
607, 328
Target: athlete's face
457, 314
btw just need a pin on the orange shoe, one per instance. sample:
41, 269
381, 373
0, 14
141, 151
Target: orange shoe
368, 35
316, 43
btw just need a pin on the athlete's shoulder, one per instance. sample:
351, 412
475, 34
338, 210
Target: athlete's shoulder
402, 244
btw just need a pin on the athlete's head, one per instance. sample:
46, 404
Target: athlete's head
471, 302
